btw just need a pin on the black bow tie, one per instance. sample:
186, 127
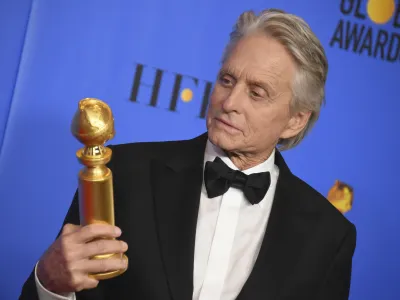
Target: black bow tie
218, 178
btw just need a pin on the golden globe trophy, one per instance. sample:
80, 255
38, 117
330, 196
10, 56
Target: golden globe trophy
93, 126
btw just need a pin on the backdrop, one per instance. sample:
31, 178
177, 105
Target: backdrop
154, 62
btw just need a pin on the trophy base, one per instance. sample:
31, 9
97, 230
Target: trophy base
111, 274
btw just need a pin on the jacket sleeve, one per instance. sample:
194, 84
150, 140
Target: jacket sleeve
29, 291
338, 281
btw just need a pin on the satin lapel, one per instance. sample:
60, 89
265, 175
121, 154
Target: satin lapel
176, 186
288, 227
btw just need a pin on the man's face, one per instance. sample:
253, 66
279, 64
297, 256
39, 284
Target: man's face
249, 106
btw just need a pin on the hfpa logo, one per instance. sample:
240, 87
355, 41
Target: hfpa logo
153, 86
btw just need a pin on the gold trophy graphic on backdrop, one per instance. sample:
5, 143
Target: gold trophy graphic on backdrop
93, 126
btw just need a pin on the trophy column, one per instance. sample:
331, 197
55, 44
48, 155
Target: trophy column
93, 126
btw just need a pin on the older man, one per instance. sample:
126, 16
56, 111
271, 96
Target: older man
220, 216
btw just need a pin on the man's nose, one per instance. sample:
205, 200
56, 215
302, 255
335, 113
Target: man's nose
234, 99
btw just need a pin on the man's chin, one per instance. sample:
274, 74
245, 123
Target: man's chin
223, 140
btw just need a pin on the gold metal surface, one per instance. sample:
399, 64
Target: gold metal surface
93, 126
341, 196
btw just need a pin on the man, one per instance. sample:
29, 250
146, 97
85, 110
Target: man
220, 216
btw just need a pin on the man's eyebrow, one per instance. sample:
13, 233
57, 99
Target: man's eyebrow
260, 83
264, 84
227, 70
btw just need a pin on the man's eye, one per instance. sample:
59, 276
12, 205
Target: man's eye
257, 93
226, 81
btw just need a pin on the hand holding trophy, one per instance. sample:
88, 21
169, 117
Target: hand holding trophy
83, 255
93, 126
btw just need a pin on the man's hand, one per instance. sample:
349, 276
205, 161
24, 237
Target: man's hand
65, 266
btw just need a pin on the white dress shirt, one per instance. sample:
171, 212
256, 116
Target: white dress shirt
229, 234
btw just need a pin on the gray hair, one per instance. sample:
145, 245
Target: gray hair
301, 43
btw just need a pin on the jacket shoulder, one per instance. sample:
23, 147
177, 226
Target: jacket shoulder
320, 204
144, 151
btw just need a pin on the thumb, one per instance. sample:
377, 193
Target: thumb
90, 283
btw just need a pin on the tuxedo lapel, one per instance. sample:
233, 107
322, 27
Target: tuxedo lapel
176, 186
285, 237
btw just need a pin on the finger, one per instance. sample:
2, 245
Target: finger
104, 265
70, 228
80, 282
89, 283
94, 231
103, 246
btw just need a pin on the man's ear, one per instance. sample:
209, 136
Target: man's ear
296, 124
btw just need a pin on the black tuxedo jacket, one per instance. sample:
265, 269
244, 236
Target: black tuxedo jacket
306, 252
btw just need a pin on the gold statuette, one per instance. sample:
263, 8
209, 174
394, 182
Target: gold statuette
93, 126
